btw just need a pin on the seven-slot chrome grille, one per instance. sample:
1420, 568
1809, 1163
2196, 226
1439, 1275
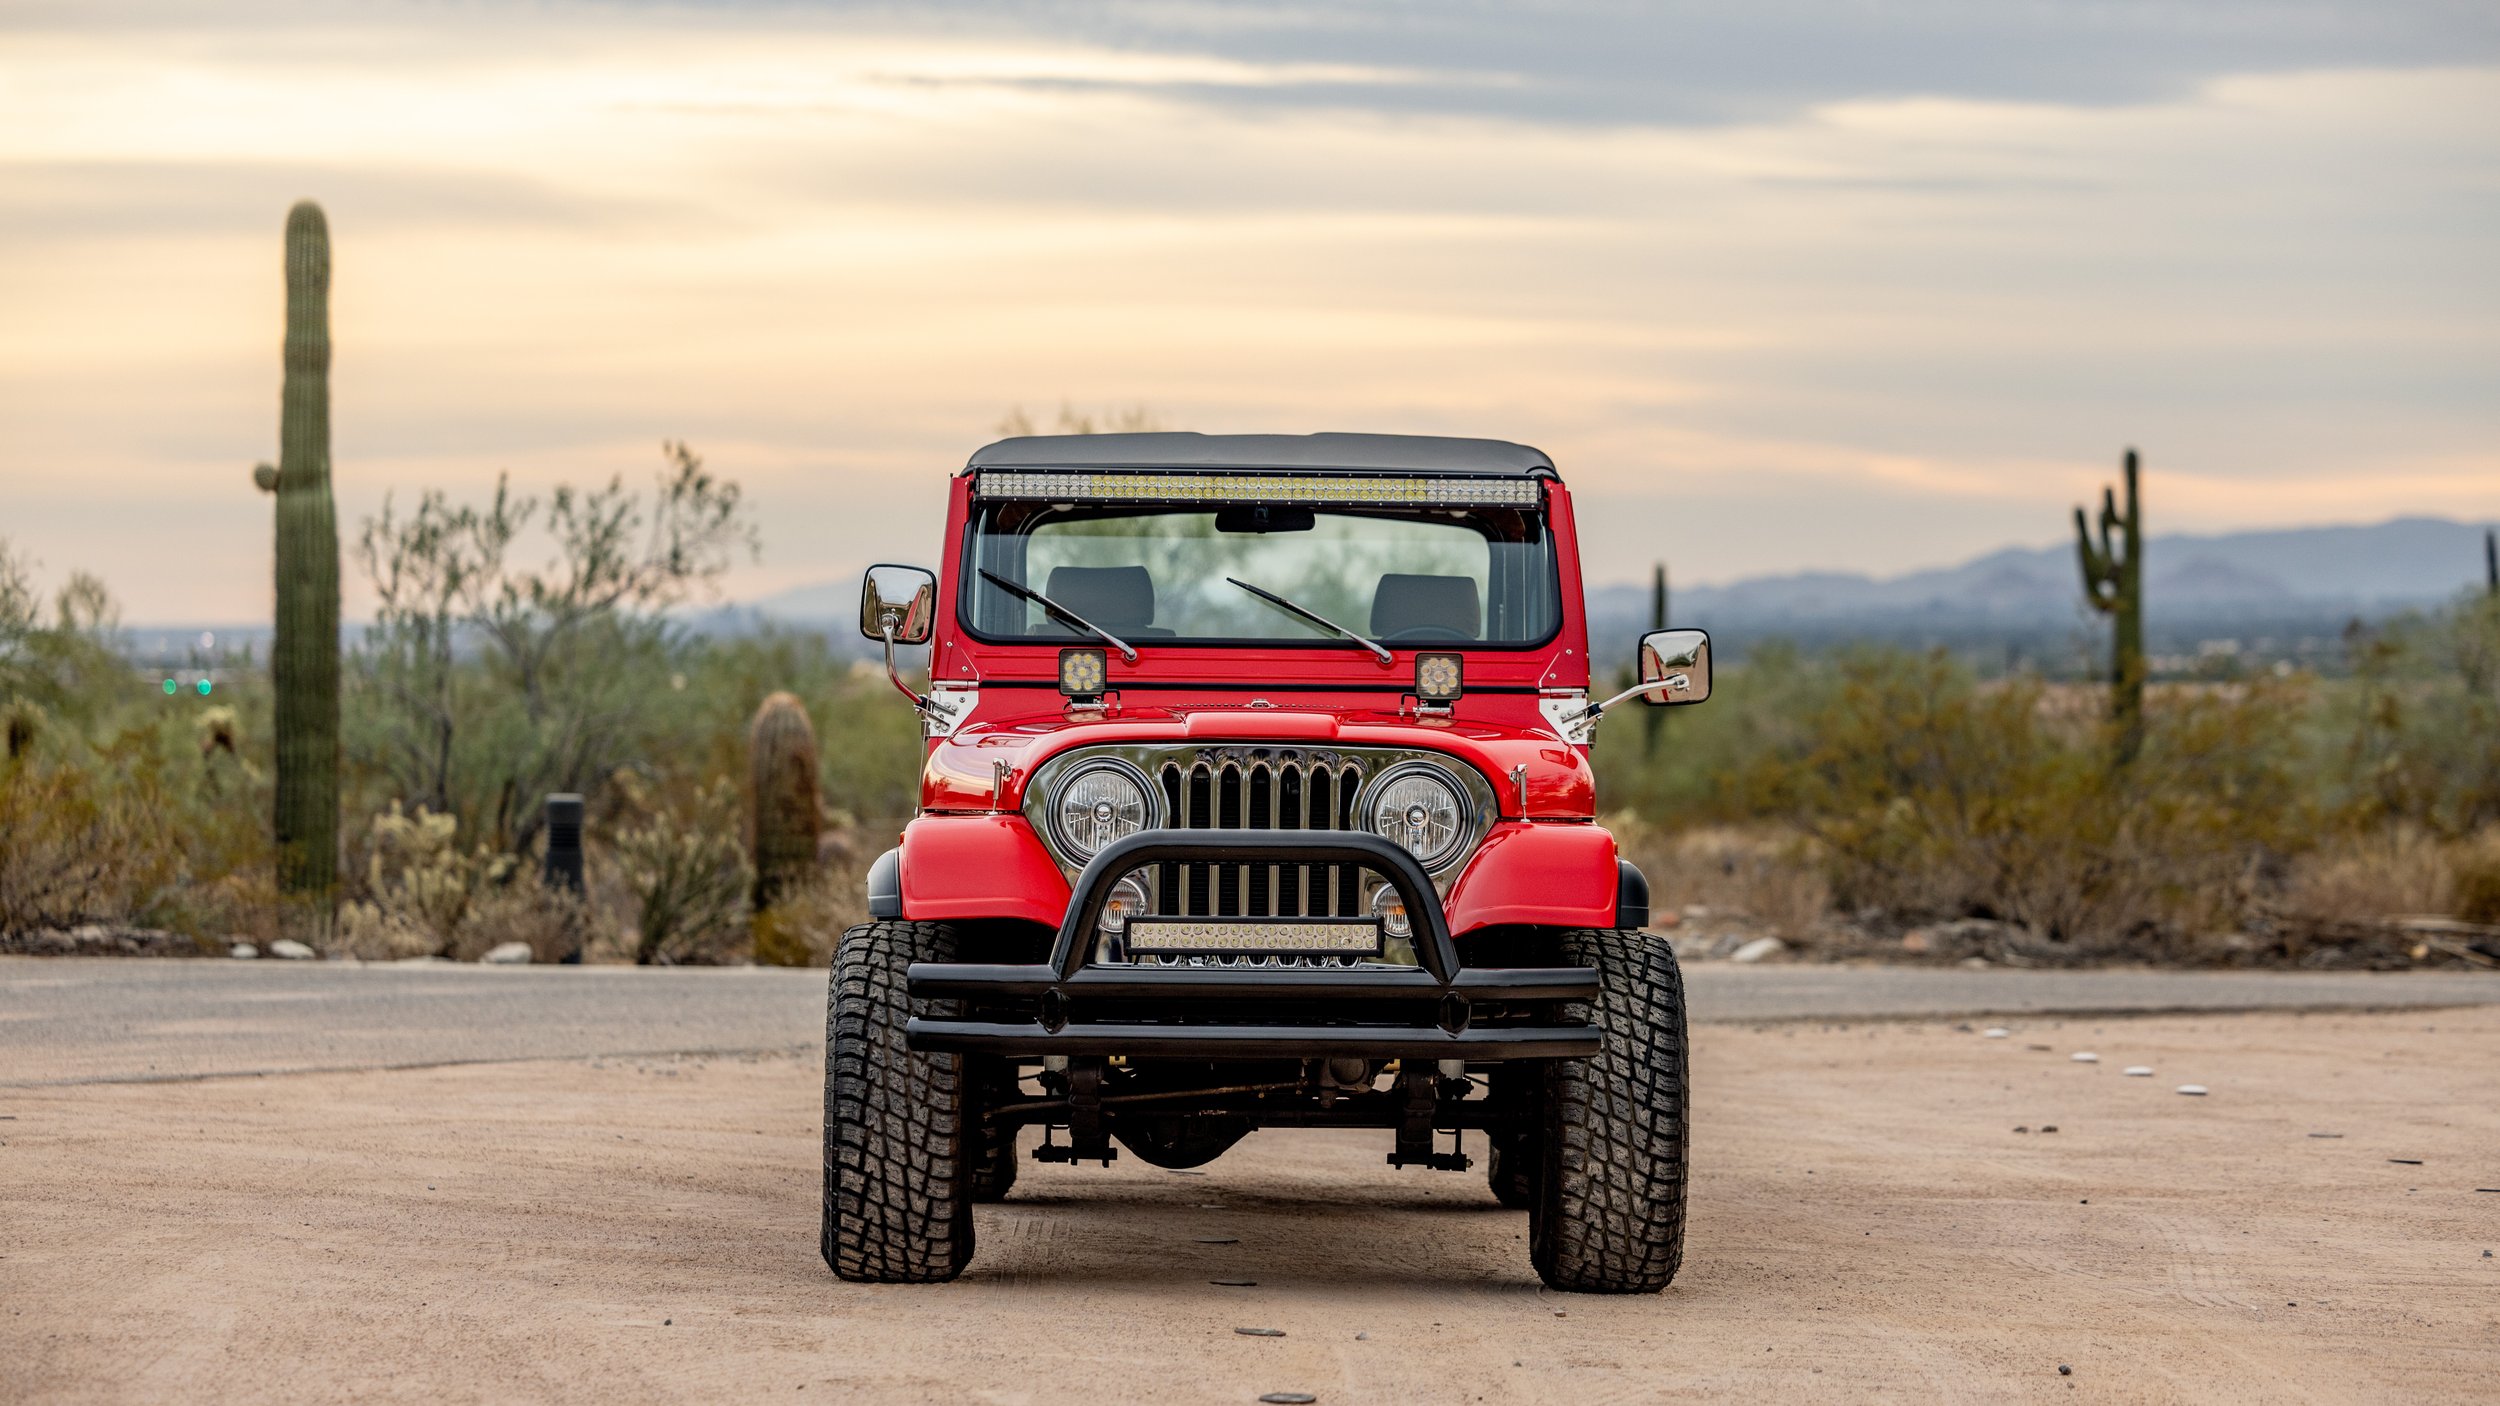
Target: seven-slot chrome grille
1258, 786
1288, 791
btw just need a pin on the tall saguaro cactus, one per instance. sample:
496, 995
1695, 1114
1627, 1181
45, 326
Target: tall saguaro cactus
304, 658
2113, 581
781, 761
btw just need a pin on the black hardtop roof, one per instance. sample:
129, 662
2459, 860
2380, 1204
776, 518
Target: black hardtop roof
1180, 449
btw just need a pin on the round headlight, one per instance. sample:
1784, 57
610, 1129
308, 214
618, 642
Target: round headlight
1099, 803
1419, 808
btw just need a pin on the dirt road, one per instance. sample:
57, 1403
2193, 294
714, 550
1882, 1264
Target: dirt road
1868, 1224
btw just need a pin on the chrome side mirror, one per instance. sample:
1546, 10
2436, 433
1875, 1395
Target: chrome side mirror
897, 604
1675, 666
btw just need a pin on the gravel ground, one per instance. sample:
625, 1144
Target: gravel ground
1868, 1223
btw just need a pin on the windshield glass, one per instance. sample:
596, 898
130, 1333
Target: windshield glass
1410, 577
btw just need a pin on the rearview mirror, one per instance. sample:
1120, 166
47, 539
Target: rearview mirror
897, 603
1675, 666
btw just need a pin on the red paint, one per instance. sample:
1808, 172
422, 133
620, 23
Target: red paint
979, 866
1547, 875
972, 855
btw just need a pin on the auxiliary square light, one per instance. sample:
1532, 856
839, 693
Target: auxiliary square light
1083, 673
1439, 678
1364, 490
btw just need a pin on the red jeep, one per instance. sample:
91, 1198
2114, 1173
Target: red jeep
1257, 796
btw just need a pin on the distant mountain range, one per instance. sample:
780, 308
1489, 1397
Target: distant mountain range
2298, 572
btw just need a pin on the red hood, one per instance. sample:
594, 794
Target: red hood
1025, 727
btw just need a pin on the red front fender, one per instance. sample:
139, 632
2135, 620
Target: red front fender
979, 866
1544, 874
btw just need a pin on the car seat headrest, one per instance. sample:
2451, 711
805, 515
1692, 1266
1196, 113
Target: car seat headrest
1408, 602
1118, 598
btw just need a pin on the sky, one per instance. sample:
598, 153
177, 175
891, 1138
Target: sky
1789, 285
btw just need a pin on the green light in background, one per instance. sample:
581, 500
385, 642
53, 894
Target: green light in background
170, 686
204, 687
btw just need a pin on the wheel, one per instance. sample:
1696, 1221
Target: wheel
1510, 1161
898, 1204
994, 1159
1608, 1214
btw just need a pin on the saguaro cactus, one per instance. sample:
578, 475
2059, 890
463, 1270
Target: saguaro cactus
2113, 581
304, 658
786, 819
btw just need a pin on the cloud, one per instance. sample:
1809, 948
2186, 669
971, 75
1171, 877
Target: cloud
830, 247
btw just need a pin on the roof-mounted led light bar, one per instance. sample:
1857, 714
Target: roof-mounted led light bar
1371, 490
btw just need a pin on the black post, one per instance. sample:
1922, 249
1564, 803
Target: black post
2491, 561
564, 857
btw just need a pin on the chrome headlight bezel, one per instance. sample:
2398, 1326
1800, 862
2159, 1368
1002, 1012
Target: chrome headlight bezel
1463, 831
1150, 805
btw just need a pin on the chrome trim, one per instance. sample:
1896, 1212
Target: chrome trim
1470, 834
1061, 846
1480, 801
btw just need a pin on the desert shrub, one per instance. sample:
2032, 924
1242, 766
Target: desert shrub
687, 873
1766, 873
1934, 796
418, 886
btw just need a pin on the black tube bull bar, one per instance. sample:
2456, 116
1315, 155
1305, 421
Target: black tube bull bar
1202, 1012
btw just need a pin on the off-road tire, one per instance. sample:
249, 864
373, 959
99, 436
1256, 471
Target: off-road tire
994, 1150
898, 1204
1608, 1216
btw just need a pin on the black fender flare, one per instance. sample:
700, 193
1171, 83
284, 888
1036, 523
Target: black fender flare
1631, 895
885, 885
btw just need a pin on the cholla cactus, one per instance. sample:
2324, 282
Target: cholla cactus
304, 657
419, 886
2113, 581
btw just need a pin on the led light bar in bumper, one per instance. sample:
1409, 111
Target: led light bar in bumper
1368, 490
1161, 938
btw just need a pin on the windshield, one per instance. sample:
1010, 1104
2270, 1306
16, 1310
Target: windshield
1404, 577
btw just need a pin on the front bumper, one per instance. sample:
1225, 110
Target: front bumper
1437, 1010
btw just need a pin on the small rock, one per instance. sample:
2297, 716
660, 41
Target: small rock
667, 1322
1220, 1242
1260, 1332
2193, 1090
2048, 1127
2065, 1371
2084, 1057
1915, 942
1366, 1337
2039, 1049
1758, 949
2024, 1128
2406, 1161
1975, 963
508, 954
1234, 1283
2139, 1071
2326, 1135
1289, 1398
1995, 1032
243, 952
291, 950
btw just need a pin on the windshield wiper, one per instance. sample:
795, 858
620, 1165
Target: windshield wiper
1127, 651
1315, 618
